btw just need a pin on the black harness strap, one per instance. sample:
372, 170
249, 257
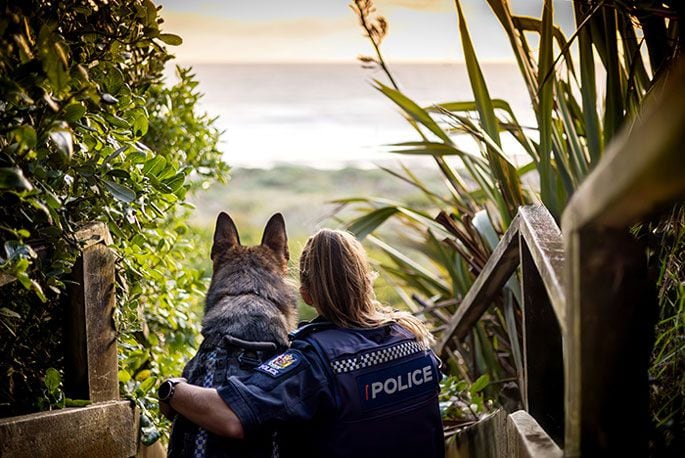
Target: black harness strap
249, 344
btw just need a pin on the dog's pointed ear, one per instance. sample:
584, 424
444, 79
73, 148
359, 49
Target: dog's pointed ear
275, 236
225, 234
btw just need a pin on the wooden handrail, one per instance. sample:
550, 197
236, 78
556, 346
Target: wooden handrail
533, 240
496, 272
536, 227
543, 238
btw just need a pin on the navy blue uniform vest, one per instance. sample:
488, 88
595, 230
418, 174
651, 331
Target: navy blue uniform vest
385, 388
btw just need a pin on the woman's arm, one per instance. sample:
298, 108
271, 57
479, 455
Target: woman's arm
204, 407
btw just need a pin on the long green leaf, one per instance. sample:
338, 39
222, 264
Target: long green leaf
429, 148
468, 105
481, 95
433, 149
505, 174
613, 114
512, 126
531, 23
413, 110
576, 152
588, 83
408, 262
389, 209
518, 44
365, 225
544, 112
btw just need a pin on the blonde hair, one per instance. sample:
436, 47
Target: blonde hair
335, 272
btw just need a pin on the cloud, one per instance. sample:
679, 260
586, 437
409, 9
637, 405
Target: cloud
218, 39
306, 26
419, 5
419, 30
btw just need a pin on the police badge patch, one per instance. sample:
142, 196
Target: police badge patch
280, 364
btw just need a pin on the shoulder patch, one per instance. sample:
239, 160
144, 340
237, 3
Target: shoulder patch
281, 364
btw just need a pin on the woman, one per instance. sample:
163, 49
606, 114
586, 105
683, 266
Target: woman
358, 381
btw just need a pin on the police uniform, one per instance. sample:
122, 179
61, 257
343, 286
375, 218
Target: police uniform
344, 393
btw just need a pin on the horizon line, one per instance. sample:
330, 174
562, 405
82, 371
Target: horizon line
332, 62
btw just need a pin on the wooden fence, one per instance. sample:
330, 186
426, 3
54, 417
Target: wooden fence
588, 304
108, 427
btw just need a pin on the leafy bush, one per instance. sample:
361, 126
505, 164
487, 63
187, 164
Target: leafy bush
89, 132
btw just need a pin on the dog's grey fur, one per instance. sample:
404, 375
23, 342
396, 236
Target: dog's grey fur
250, 298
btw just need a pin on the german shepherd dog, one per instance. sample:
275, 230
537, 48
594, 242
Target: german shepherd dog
250, 308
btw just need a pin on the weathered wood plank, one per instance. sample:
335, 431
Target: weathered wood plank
610, 310
499, 435
543, 391
90, 336
485, 439
643, 167
500, 267
527, 439
103, 430
92, 233
546, 247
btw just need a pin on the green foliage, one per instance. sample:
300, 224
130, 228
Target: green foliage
54, 396
434, 260
462, 403
90, 132
666, 242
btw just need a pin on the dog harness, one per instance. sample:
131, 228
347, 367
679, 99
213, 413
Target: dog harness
221, 357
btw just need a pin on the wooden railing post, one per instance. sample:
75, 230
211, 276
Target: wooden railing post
90, 336
543, 362
542, 261
610, 298
107, 427
610, 308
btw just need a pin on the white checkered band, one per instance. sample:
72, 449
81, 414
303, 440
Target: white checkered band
200, 444
375, 358
201, 436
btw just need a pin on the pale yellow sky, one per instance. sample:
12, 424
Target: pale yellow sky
327, 30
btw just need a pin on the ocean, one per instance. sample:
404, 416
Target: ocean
330, 115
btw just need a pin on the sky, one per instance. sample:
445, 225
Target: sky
216, 31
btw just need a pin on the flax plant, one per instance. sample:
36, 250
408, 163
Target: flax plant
435, 252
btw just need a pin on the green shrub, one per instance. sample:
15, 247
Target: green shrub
89, 132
